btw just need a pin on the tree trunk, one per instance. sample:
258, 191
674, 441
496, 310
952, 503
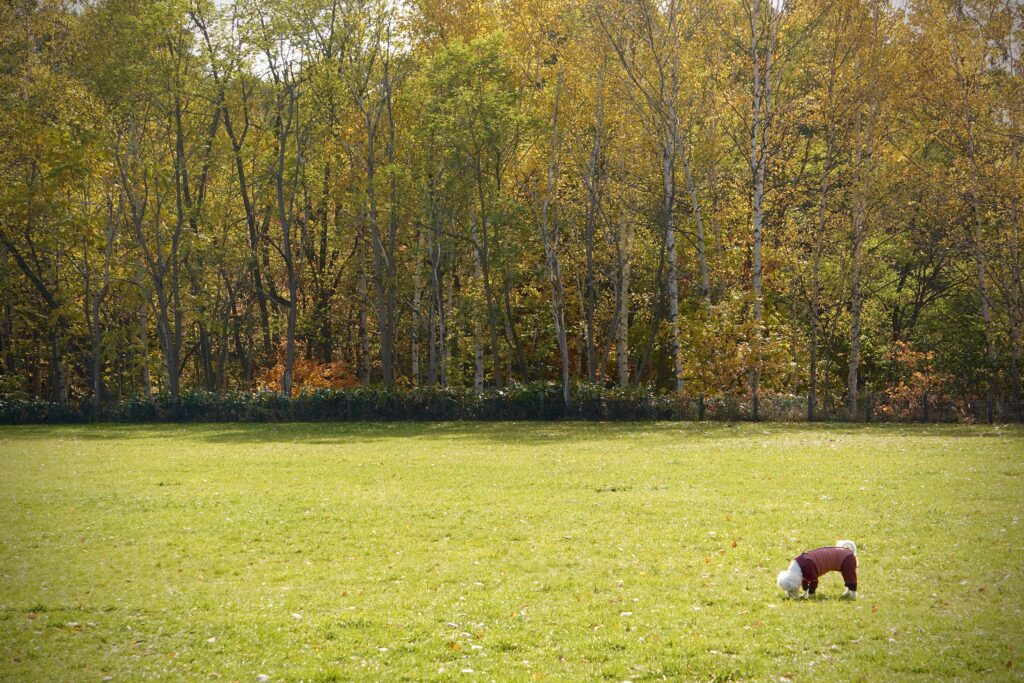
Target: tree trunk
287, 376
550, 236
511, 335
251, 223
392, 235
147, 384
363, 360
705, 275
417, 317
819, 234
862, 158
478, 348
168, 347
593, 209
656, 319
285, 205
9, 340
812, 385
59, 385
437, 307
855, 322
624, 247
59, 377
761, 48
716, 224
206, 356
862, 169
668, 166
97, 359
112, 224
447, 352
379, 263
484, 260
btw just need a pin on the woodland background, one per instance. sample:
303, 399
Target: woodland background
731, 199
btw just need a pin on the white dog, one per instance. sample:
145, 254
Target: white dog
803, 572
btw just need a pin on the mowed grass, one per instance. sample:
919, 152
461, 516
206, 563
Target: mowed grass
521, 551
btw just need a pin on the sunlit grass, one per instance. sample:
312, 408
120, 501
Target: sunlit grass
515, 551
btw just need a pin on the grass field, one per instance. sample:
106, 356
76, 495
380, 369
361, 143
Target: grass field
523, 551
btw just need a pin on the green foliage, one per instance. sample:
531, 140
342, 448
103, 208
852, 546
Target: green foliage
153, 153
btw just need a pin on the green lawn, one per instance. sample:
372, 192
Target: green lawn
522, 551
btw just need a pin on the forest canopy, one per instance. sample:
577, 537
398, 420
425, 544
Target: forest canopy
819, 198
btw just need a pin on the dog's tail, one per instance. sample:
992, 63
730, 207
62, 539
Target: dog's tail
849, 545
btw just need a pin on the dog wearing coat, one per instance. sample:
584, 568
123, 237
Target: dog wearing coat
803, 572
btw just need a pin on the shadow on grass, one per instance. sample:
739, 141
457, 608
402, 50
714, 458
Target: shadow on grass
821, 597
510, 433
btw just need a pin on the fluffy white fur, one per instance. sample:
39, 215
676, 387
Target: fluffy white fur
790, 579
849, 545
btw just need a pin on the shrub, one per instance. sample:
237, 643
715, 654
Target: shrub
532, 401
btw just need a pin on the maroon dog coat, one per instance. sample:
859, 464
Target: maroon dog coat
814, 563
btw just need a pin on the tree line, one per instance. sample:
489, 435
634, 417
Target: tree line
706, 197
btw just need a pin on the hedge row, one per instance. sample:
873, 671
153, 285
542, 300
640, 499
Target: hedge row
534, 401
